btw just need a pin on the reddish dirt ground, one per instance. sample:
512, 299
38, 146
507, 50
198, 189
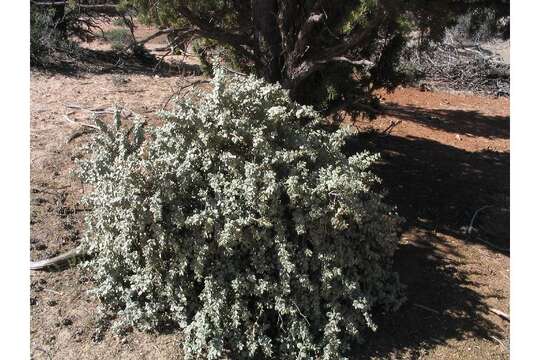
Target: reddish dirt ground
444, 155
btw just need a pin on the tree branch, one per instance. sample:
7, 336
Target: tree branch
306, 68
313, 19
362, 62
358, 36
208, 30
181, 32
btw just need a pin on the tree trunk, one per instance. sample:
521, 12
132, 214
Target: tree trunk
59, 19
269, 39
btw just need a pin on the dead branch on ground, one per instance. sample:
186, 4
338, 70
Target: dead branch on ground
80, 123
502, 314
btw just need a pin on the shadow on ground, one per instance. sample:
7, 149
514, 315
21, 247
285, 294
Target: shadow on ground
436, 188
90, 61
465, 122
439, 187
441, 306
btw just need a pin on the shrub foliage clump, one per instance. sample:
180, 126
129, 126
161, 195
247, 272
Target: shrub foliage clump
46, 40
240, 221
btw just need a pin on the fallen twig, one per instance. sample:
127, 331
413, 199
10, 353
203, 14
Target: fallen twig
152, 36
461, 67
470, 227
161, 59
36, 190
426, 308
498, 340
57, 260
389, 129
103, 110
54, 292
73, 106
126, 91
93, 110
502, 314
234, 71
79, 133
80, 123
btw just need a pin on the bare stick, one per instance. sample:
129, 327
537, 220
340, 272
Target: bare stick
129, 91
498, 340
162, 58
233, 71
73, 106
470, 228
54, 292
153, 36
362, 62
80, 123
502, 314
57, 260
426, 308
79, 133
95, 110
389, 129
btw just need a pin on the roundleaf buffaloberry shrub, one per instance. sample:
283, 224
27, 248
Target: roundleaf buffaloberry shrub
240, 221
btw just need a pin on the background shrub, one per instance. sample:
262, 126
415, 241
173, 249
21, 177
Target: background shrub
40, 36
241, 221
119, 39
45, 38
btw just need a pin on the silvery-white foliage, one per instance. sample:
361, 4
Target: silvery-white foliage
241, 221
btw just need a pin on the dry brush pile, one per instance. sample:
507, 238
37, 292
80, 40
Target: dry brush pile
464, 68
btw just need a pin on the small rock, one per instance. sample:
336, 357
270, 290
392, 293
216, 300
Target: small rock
52, 302
33, 301
458, 137
67, 322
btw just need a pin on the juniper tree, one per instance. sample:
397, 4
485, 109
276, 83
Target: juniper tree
311, 44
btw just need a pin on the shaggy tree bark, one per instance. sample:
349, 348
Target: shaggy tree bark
287, 41
281, 39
